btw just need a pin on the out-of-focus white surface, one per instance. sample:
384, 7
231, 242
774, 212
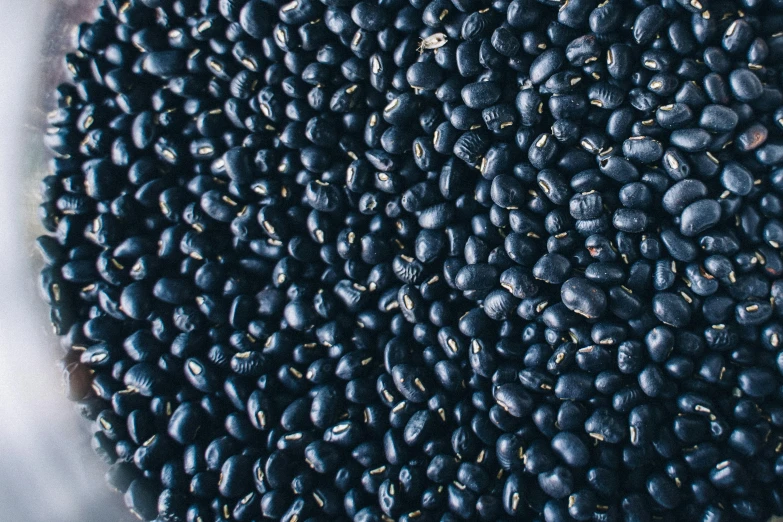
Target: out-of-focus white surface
47, 470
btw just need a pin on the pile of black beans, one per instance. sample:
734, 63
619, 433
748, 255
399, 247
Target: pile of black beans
389, 260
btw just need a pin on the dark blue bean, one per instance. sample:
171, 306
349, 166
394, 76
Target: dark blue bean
674, 116
648, 23
583, 297
630, 220
718, 118
663, 491
480, 95
691, 140
671, 309
606, 17
557, 483
618, 168
642, 149
571, 449
745, 85
756, 382
546, 64
699, 217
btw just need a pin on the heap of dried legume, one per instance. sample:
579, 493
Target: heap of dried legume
329, 260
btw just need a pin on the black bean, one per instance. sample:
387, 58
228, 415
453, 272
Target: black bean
145, 378
606, 17
557, 483
605, 95
552, 268
480, 95
752, 138
546, 64
648, 23
164, 64
671, 309
630, 220
736, 178
572, 385
663, 491
682, 194
368, 16
571, 449
642, 149
691, 140
756, 382
424, 75
410, 382
699, 216
674, 116
745, 85
718, 118
476, 277
618, 168
584, 298
513, 399
554, 185
583, 50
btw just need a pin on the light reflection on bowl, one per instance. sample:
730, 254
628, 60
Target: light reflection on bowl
47, 469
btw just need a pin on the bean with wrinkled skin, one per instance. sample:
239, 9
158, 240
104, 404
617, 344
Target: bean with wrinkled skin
557, 483
642, 149
582, 297
630, 220
648, 23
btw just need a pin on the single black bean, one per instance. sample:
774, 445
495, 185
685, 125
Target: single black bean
557, 483
583, 297
682, 194
648, 23
663, 491
546, 64
630, 220
691, 140
671, 309
571, 449
736, 178
745, 85
718, 118
642, 149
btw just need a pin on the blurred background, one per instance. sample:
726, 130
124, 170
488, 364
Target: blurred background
47, 468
